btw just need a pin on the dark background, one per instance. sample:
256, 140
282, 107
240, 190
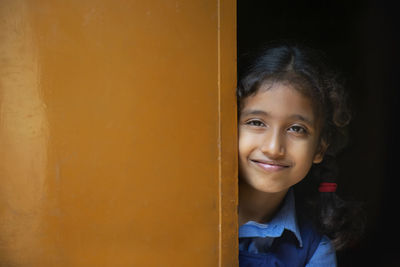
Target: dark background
361, 40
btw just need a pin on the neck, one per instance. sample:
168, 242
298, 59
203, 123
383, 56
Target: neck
256, 205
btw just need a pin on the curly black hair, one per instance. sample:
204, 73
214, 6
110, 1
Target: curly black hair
305, 69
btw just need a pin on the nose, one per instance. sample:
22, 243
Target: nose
273, 145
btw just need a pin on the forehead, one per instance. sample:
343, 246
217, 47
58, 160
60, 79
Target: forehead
279, 100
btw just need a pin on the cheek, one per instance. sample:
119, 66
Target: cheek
243, 147
247, 143
305, 148
304, 159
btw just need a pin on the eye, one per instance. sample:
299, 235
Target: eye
298, 129
256, 123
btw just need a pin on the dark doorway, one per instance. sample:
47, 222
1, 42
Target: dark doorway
361, 39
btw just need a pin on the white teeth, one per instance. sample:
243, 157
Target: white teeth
271, 164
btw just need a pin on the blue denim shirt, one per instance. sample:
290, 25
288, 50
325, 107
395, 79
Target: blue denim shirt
258, 237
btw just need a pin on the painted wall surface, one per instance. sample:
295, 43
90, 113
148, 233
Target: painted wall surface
118, 133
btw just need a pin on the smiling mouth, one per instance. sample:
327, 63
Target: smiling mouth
271, 165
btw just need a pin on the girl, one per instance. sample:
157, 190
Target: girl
291, 117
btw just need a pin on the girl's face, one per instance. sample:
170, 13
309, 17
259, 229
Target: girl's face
278, 138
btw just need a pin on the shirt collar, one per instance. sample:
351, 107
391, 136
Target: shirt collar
284, 219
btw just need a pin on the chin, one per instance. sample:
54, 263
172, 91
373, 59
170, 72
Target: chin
270, 188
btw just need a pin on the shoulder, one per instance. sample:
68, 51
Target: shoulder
324, 255
311, 238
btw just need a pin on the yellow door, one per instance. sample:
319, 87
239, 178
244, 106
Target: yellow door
117, 133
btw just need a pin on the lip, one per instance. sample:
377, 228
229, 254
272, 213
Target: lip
271, 165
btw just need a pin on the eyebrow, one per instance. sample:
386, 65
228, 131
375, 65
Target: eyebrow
253, 112
302, 118
264, 113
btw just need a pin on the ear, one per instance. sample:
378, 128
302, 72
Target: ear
319, 154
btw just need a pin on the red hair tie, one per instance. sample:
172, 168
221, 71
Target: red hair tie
327, 187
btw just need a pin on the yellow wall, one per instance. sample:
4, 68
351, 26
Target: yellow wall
117, 133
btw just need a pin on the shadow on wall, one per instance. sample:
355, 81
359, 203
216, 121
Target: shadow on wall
361, 40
